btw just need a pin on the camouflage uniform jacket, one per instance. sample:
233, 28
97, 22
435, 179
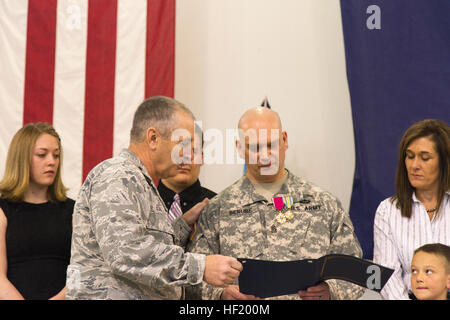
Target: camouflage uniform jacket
241, 223
123, 246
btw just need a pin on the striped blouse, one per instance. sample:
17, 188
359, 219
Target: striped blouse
396, 237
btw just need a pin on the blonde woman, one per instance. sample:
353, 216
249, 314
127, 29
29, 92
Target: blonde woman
35, 217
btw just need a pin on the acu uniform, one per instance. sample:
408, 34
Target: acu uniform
123, 246
241, 223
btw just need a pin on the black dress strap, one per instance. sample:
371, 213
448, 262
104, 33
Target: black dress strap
5, 207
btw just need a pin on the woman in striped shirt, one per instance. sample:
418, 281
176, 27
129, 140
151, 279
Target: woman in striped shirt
419, 212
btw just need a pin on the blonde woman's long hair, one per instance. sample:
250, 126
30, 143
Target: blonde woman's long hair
16, 178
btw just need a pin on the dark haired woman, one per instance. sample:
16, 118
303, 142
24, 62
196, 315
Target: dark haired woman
419, 212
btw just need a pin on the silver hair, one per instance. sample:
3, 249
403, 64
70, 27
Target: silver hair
157, 112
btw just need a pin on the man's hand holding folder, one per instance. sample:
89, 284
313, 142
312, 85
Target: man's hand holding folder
306, 277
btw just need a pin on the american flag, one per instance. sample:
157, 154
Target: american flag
83, 66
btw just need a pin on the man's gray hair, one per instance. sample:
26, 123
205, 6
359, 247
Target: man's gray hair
157, 112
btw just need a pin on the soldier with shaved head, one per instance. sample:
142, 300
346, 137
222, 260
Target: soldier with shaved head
246, 220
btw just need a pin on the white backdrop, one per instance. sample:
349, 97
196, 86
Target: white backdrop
230, 54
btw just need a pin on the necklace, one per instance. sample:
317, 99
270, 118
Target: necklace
431, 210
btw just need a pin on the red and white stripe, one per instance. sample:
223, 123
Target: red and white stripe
83, 66
175, 208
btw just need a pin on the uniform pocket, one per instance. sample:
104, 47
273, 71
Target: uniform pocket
159, 223
240, 232
312, 237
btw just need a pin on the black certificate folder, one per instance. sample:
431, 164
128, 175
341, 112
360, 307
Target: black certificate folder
275, 278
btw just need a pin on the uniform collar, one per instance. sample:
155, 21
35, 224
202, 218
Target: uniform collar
192, 192
131, 156
247, 194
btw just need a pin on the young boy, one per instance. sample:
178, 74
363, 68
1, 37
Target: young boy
430, 272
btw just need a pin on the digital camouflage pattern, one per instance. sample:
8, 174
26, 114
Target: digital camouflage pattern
123, 246
241, 223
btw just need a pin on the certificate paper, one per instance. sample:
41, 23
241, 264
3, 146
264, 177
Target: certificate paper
274, 278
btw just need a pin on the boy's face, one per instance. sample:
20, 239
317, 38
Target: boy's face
430, 280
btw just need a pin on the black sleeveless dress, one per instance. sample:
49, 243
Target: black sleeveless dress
38, 238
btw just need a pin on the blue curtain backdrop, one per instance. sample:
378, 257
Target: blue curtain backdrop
398, 71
